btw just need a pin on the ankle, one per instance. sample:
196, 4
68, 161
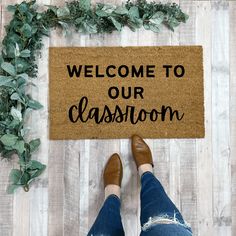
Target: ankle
145, 168
112, 189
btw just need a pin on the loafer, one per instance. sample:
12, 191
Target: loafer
141, 151
113, 172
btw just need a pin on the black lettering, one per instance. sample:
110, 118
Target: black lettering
137, 73
150, 71
138, 91
167, 70
88, 71
181, 71
108, 71
116, 95
125, 73
74, 70
172, 113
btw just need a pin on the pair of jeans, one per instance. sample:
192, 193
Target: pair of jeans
159, 215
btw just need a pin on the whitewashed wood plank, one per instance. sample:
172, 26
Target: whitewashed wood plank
71, 188
204, 146
188, 182
56, 163
84, 186
232, 107
174, 175
6, 200
220, 119
72, 160
174, 170
39, 190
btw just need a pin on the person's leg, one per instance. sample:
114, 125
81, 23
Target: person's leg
159, 215
108, 221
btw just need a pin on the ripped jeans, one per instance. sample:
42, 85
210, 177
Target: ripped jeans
159, 215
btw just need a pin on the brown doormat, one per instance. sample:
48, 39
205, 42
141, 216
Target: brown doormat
114, 92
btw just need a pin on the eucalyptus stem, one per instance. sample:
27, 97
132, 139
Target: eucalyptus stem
22, 44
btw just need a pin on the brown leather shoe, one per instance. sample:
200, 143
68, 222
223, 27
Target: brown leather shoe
141, 152
113, 172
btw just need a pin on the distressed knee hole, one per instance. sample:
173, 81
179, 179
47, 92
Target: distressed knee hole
163, 219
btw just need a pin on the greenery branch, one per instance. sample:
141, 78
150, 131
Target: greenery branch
18, 67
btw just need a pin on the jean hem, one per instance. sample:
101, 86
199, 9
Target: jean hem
146, 173
113, 196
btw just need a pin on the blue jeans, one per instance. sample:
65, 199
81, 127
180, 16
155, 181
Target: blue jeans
159, 215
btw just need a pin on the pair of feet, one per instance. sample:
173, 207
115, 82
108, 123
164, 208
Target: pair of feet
113, 171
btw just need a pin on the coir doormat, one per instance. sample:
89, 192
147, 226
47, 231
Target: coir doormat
114, 92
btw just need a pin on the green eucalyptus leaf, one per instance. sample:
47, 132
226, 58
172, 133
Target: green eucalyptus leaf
90, 27
23, 8
185, 17
25, 53
29, 17
62, 12
155, 28
21, 64
121, 11
19, 146
52, 8
25, 178
101, 13
38, 172
24, 131
23, 76
34, 144
108, 9
14, 123
157, 18
134, 12
1, 59
16, 114
9, 68
9, 139
80, 20
36, 165
16, 96
15, 176
4, 80
26, 30
11, 8
7, 154
172, 23
34, 104
116, 23
11, 188
85, 4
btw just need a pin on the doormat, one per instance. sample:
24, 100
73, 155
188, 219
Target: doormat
115, 92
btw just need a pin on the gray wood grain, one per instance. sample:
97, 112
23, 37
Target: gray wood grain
232, 106
220, 120
204, 146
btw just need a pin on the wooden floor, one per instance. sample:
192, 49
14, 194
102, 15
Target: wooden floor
198, 174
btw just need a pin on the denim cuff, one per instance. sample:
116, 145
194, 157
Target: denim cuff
146, 173
112, 196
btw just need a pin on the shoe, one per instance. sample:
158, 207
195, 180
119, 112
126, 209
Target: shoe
141, 152
113, 172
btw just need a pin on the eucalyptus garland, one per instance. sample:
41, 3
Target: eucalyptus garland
18, 67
